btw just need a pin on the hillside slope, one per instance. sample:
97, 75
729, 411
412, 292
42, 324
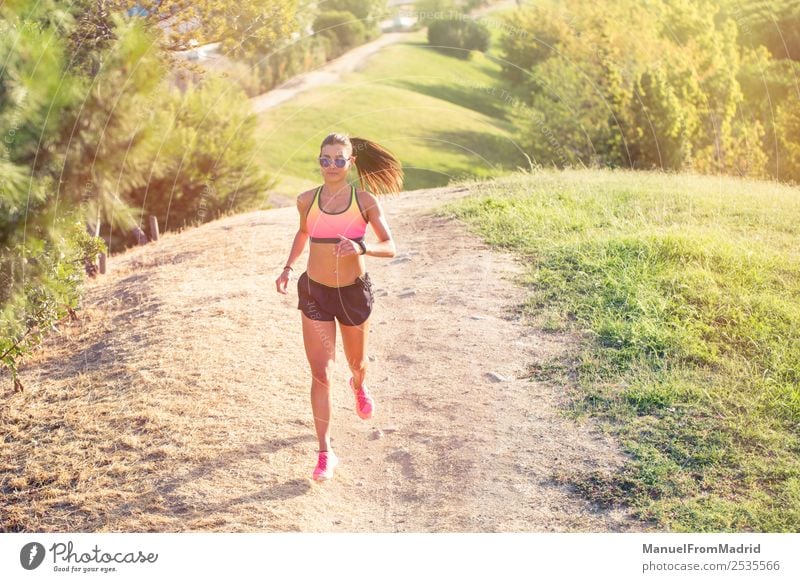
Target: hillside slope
180, 400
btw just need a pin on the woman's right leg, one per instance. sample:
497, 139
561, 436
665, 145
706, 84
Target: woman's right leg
319, 338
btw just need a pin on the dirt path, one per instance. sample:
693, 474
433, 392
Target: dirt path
180, 402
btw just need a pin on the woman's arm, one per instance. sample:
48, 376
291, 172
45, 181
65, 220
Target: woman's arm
301, 238
385, 247
299, 244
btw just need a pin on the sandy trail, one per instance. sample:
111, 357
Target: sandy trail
182, 403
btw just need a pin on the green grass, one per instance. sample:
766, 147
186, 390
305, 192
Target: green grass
688, 291
445, 118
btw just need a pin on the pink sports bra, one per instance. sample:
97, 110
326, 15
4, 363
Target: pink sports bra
324, 226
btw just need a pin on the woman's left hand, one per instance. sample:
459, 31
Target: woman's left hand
345, 246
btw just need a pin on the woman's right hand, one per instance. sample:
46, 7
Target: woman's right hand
282, 282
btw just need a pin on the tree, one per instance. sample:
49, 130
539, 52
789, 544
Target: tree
773, 24
788, 124
243, 28
618, 85
43, 242
341, 28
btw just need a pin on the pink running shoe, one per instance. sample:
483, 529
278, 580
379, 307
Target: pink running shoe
326, 463
365, 405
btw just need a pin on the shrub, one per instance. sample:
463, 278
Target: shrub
459, 33
342, 28
200, 166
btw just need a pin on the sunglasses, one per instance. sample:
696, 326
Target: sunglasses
326, 162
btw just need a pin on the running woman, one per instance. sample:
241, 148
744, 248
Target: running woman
335, 284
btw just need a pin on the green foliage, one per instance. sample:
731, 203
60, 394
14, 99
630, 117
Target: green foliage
146, 148
660, 123
665, 85
773, 24
342, 29
462, 34
788, 133
368, 11
198, 164
521, 52
42, 251
50, 287
342, 25
769, 86
101, 152
243, 28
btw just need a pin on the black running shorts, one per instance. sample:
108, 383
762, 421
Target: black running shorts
350, 304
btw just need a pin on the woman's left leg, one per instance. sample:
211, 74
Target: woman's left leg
357, 305
354, 342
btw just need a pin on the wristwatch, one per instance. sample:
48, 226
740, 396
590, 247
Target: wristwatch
363, 246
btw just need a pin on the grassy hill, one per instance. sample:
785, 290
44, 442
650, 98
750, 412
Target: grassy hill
444, 117
688, 291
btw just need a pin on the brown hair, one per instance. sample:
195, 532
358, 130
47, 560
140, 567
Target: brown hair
379, 171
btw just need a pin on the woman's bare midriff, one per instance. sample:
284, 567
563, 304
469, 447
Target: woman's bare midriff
326, 268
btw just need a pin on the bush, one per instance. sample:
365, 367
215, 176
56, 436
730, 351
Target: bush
200, 166
306, 54
459, 33
342, 28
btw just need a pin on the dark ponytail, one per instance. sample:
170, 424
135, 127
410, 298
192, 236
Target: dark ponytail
379, 171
